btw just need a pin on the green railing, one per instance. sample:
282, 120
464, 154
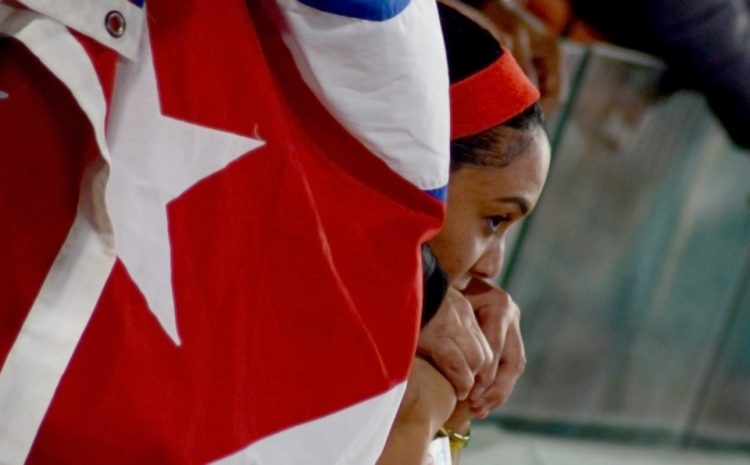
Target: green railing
633, 274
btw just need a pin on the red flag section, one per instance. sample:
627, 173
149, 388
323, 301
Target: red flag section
295, 269
47, 143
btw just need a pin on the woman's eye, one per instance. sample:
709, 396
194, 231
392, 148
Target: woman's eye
494, 222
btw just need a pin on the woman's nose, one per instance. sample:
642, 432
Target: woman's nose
491, 261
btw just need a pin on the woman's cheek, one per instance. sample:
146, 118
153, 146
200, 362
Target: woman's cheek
465, 255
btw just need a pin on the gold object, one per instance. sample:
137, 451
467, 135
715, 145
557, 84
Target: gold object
457, 441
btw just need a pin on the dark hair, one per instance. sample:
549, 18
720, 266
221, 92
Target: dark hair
494, 147
470, 48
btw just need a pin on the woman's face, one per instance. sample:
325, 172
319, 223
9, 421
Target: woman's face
483, 202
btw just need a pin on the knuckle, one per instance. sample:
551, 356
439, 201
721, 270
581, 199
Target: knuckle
487, 362
502, 296
458, 373
448, 359
503, 304
463, 385
515, 310
476, 360
455, 366
488, 354
518, 366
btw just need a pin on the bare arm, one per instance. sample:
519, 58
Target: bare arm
428, 401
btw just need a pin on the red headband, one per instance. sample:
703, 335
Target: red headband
490, 97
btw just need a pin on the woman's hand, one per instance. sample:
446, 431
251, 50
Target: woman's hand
499, 317
454, 342
475, 341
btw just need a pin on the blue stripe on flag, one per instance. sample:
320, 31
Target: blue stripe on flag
138, 3
373, 10
441, 193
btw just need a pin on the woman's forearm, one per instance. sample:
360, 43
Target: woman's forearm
407, 444
428, 401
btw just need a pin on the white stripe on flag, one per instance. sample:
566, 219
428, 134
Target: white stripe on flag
63, 307
352, 436
50, 333
385, 81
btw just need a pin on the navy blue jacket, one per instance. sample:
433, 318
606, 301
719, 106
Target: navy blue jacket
705, 43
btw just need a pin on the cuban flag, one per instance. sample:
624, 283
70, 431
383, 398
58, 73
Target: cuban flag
210, 242
379, 67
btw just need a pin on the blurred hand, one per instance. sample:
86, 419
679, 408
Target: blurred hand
499, 318
455, 344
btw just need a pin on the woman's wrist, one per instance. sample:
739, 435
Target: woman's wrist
459, 427
419, 423
460, 419
458, 441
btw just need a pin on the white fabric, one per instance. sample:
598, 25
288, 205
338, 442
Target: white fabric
87, 17
439, 452
355, 435
66, 300
43, 348
385, 81
155, 159
50, 333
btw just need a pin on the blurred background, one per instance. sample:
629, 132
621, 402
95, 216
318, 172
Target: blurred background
633, 276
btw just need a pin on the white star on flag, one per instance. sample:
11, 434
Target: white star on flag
155, 159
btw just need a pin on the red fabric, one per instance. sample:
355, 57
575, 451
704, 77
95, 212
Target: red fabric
295, 270
47, 142
490, 97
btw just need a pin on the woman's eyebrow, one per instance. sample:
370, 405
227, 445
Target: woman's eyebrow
522, 203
